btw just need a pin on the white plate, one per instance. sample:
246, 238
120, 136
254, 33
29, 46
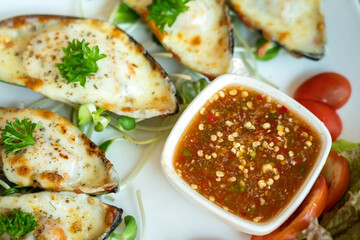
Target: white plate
169, 215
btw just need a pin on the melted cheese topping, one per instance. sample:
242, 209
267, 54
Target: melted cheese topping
298, 25
64, 215
127, 82
199, 38
63, 158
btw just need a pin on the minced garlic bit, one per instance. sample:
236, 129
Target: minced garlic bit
219, 174
270, 181
200, 153
221, 94
201, 126
308, 143
211, 199
257, 219
228, 123
244, 94
267, 167
215, 97
202, 110
233, 92
213, 137
194, 186
262, 201
262, 184
232, 179
266, 125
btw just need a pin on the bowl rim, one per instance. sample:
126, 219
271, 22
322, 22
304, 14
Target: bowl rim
237, 222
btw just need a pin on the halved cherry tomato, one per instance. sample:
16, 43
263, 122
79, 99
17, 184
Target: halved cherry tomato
329, 87
336, 173
312, 206
326, 114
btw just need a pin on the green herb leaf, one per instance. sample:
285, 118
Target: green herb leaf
130, 230
341, 145
18, 135
79, 61
271, 51
165, 12
17, 223
127, 123
190, 89
125, 14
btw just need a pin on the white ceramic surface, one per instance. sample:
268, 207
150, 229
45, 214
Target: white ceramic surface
169, 215
167, 156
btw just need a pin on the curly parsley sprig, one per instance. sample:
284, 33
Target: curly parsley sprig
18, 135
17, 223
79, 61
165, 12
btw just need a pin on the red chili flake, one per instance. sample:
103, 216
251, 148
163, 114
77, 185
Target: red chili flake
260, 97
243, 214
275, 140
182, 159
282, 151
283, 110
204, 185
211, 118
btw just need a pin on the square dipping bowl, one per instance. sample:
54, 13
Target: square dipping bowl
250, 226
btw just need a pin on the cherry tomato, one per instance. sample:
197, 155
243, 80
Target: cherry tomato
326, 114
336, 173
312, 206
329, 87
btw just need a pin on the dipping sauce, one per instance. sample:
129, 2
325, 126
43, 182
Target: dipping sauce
247, 153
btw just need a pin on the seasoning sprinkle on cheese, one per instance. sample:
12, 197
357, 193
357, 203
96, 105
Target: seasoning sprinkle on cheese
246, 153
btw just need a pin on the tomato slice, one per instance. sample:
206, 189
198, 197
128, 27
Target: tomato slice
312, 206
326, 114
329, 87
337, 176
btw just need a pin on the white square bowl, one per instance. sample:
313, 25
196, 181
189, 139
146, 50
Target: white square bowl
185, 119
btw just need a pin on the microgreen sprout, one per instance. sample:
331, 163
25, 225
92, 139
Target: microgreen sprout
88, 113
127, 123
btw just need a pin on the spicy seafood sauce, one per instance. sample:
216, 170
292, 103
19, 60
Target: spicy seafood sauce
246, 152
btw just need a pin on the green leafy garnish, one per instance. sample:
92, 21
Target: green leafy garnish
130, 230
79, 61
18, 135
125, 14
165, 12
342, 145
272, 49
127, 123
14, 190
190, 89
17, 223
